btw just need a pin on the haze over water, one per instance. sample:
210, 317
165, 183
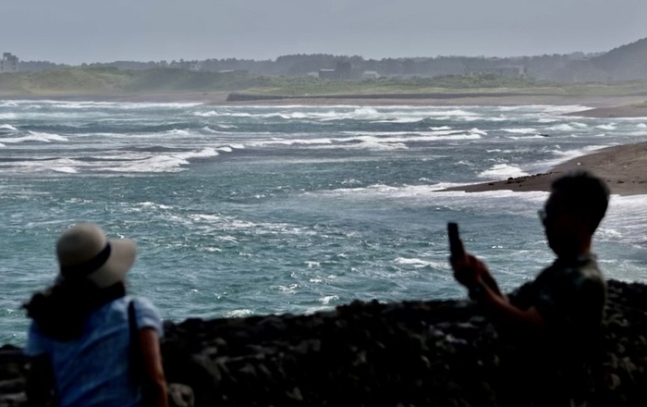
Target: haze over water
252, 210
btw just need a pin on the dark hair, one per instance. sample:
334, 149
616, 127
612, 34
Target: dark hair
585, 195
62, 309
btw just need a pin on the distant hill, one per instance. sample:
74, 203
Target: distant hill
628, 62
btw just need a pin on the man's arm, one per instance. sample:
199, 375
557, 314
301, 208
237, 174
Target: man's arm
501, 308
40, 382
474, 274
153, 370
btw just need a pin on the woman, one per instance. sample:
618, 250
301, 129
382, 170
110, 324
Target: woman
91, 344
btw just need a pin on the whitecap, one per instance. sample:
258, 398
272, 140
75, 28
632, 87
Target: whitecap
502, 171
7, 127
239, 313
561, 127
66, 170
417, 263
521, 130
34, 136
206, 114
478, 131
610, 126
328, 299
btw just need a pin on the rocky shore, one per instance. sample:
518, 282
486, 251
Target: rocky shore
444, 353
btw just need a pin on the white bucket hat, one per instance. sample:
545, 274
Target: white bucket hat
84, 253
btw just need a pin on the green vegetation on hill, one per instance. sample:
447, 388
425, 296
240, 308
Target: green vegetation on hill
105, 81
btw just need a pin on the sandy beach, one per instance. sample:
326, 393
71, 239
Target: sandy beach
633, 110
629, 106
624, 168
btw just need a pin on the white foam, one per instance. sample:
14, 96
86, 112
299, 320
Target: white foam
239, 313
178, 132
641, 126
501, 171
521, 130
441, 128
562, 127
417, 263
66, 170
328, 299
477, 131
34, 136
7, 127
204, 153
401, 120
526, 137
563, 108
610, 126
206, 114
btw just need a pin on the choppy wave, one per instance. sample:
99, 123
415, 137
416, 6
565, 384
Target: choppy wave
502, 171
34, 136
522, 130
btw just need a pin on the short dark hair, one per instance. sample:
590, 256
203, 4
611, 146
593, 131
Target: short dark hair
583, 194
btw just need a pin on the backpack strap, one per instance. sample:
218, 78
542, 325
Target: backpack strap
136, 362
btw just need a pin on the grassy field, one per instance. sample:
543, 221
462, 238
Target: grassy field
95, 81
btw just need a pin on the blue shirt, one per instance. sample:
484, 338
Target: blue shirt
94, 370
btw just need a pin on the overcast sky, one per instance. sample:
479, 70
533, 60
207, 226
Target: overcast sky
74, 31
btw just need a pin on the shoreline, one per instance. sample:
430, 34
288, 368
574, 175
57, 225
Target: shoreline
603, 107
633, 110
623, 167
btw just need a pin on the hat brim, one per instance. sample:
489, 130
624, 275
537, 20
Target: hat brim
114, 270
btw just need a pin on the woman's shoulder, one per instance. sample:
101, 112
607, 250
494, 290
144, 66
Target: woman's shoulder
141, 303
146, 313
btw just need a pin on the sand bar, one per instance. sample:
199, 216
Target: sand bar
623, 167
635, 110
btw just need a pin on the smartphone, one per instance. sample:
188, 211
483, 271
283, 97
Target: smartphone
455, 244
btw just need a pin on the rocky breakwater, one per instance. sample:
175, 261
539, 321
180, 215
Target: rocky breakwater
444, 353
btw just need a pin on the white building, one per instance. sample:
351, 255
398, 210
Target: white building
9, 63
370, 75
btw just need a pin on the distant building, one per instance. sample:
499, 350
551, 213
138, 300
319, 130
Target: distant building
342, 71
370, 75
9, 63
327, 74
195, 66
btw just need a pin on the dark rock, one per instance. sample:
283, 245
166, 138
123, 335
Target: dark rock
409, 353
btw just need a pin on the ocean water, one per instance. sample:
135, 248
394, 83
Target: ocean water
259, 209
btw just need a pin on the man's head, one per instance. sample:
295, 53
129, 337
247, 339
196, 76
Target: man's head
574, 210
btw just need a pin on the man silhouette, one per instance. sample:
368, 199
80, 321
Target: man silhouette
568, 297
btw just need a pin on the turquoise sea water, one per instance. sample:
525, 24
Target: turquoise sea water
245, 210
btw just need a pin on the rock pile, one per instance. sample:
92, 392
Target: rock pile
441, 353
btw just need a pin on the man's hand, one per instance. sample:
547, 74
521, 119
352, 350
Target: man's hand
469, 270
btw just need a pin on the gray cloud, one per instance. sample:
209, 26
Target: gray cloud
76, 31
